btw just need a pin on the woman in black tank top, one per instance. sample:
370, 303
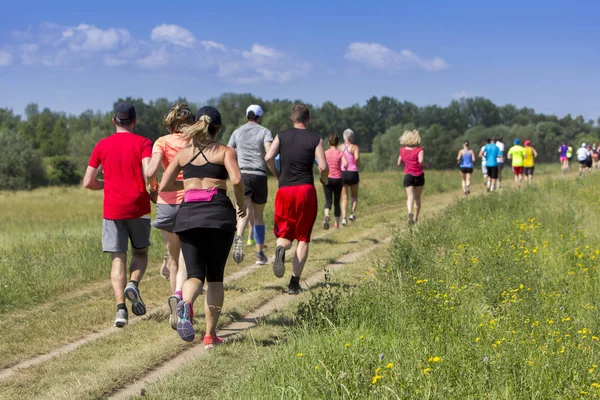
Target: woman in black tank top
206, 220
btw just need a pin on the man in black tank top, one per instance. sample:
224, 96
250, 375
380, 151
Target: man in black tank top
296, 200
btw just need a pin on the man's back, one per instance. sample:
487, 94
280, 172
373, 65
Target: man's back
121, 155
249, 141
297, 150
517, 154
491, 155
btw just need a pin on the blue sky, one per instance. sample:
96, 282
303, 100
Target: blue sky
73, 55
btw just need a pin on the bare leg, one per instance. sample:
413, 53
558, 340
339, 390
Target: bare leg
493, 184
139, 262
410, 198
354, 194
181, 274
300, 258
213, 303
344, 201
118, 276
258, 212
242, 222
173, 250
418, 192
464, 182
286, 244
468, 180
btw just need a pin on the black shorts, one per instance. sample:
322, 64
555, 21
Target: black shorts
493, 172
411, 180
466, 170
256, 187
588, 163
350, 177
528, 171
205, 251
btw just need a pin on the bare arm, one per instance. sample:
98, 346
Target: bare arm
90, 180
344, 162
458, 156
270, 157
481, 152
473, 155
169, 182
235, 176
399, 160
322, 161
535, 154
421, 157
357, 156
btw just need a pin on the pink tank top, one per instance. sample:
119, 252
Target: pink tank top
410, 158
334, 160
351, 160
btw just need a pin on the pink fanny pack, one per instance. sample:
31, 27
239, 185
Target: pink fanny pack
199, 195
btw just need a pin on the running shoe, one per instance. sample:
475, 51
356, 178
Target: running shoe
185, 321
336, 226
326, 223
251, 242
173, 301
238, 249
261, 259
164, 269
344, 222
133, 294
279, 263
294, 286
210, 342
121, 318
352, 218
411, 221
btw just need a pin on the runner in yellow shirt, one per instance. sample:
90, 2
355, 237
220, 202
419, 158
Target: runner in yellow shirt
517, 155
529, 162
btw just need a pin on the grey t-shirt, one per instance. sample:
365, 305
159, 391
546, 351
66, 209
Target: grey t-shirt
249, 142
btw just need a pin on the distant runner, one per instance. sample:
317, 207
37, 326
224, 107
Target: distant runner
583, 155
595, 155
569, 155
563, 152
517, 154
206, 220
466, 159
124, 157
500, 158
296, 200
491, 152
164, 151
333, 189
414, 179
529, 162
251, 142
484, 163
350, 175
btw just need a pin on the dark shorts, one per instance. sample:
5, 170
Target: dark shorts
411, 180
588, 163
165, 217
117, 233
583, 162
518, 170
350, 177
256, 187
500, 166
528, 171
205, 251
295, 212
493, 172
466, 170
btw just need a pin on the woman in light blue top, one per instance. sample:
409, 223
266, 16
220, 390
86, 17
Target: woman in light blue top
466, 159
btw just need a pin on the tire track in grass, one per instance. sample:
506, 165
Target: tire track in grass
249, 321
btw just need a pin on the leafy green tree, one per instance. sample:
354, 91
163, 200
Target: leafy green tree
20, 166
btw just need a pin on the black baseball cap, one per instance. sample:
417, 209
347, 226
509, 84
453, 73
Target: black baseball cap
213, 113
125, 112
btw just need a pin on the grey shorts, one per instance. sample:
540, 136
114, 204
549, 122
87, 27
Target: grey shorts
117, 233
165, 217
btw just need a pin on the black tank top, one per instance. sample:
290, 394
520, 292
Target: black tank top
297, 155
208, 170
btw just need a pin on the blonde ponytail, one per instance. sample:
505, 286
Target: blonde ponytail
180, 115
201, 133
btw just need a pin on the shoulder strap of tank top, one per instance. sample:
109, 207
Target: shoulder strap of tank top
202, 152
346, 148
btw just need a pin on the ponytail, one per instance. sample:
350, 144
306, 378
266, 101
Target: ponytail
202, 132
179, 116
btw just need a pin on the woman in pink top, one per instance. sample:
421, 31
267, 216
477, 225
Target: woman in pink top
167, 204
414, 178
333, 189
350, 174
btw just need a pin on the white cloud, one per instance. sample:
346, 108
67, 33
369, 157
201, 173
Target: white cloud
6, 58
173, 34
376, 55
463, 94
158, 58
210, 45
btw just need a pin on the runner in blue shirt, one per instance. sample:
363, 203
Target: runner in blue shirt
492, 152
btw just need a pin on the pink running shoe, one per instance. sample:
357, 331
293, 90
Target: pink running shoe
211, 341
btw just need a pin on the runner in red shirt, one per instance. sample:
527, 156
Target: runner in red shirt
124, 158
296, 199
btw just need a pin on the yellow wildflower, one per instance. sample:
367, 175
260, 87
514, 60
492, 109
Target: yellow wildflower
390, 366
378, 370
316, 367
596, 385
300, 354
435, 359
376, 378
426, 371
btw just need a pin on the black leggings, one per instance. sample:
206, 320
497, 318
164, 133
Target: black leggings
205, 251
333, 189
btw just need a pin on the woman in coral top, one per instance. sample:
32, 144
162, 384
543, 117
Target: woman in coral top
167, 204
335, 184
412, 156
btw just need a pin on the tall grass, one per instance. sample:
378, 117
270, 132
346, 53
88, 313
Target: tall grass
495, 299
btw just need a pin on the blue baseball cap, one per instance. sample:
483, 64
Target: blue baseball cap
517, 141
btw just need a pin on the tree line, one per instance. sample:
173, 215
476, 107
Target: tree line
48, 147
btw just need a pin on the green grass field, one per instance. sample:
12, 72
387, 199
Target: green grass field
444, 289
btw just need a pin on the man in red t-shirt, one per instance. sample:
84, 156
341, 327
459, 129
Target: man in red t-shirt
124, 159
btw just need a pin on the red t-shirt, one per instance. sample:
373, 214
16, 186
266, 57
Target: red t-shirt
121, 154
410, 158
